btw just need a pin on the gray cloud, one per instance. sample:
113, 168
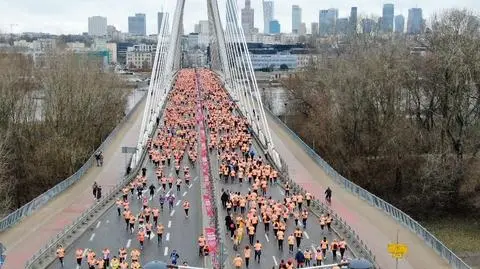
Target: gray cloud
70, 16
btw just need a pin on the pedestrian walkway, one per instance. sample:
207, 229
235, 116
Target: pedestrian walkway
33, 232
374, 227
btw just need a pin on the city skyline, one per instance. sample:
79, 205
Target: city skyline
72, 18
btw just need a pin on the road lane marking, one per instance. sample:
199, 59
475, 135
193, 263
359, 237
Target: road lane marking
173, 212
85, 252
98, 224
266, 237
191, 185
168, 192
306, 235
165, 252
185, 193
282, 193
178, 202
168, 237
195, 178
150, 199
169, 223
108, 221
152, 235
275, 261
91, 237
129, 242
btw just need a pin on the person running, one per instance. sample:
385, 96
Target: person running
152, 190
115, 263
171, 200
247, 254
79, 256
106, 257
308, 257
201, 243
178, 184
155, 213
291, 242
160, 230
237, 262
119, 204
300, 258
258, 251
298, 236
342, 246
280, 237
186, 207
141, 237
161, 200
324, 246
174, 257
60, 254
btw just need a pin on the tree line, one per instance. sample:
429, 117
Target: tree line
52, 117
404, 126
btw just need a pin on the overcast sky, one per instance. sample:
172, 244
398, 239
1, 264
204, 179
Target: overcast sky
71, 16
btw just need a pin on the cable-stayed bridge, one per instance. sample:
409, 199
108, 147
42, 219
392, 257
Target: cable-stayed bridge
67, 215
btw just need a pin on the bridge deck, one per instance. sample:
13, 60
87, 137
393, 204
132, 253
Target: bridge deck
373, 226
33, 232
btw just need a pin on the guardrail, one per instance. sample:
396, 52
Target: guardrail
42, 257
43, 198
377, 202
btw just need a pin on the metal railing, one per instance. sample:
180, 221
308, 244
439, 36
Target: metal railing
39, 201
377, 202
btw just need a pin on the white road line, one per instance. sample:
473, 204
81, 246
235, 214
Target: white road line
191, 185
266, 237
168, 192
169, 224
85, 252
168, 237
98, 224
129, 242
282, 193
195, 178
185, 193
108, 221
152, 235
275, 261
91, 237
306, 235
178, 202
170, 174
150, 199
159, 189
165, 252
173, 212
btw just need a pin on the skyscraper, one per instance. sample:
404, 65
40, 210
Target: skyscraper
342, 26
268, 11
314, 29
248, 18
161, 16
387, 18
353, 20
399, 24
296, 19
137, 24
303, 29
97, 26
274, 27
415, 21
327, 21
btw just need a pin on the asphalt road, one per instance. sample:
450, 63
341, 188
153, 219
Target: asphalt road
180, 233
271, 255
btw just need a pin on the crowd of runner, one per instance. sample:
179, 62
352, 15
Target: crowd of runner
175, 144
230, 137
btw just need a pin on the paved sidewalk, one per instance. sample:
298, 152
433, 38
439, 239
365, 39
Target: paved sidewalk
33, 232
374, 227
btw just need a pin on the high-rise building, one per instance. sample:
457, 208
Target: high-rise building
353, 20
137, 24
97, 26
327, 21
415, 21
248, 18
204, 27
387, 18
296, 19
314, 29
342, 26
163, 17
368, 26
268, 11
399, 24
303, 29
274, 27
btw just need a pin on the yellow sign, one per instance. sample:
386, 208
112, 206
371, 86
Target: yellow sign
397, 250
